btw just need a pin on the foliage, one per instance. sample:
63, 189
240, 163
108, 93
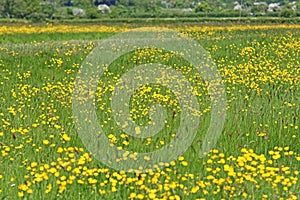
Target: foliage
92, 13
51, 9
48, 10
203, 7
82, 3
19, 8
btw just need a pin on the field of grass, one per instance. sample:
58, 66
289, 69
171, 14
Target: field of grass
256, 157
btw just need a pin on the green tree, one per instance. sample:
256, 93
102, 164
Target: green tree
25, 8
107, 2
262, 8
144, 5
248, 3
287, 11
122, 2
219, 5
7, 7
20, 8
48, 10
183, 3
64, 2
203, 7
82, 3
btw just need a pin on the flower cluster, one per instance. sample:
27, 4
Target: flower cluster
257, 156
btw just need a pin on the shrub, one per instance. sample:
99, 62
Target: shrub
92, 13
48, 10
287, 13
37, 17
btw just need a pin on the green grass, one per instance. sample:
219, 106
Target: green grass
42, 102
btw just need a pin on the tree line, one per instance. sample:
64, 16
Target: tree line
64, 9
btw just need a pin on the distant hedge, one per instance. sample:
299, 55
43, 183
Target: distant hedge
187, 19
260, 20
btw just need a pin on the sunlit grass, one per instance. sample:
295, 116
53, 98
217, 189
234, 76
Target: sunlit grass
257, 156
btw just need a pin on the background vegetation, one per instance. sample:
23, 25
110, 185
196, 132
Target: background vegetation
39, 10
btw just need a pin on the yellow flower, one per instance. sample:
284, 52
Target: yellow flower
152, 195
113, 189
140, 196
66, 137
195, 189
45, 142
132, 195
60, 150
180, 158
184, 163
49, 188
21, 194
33, 164
137, 130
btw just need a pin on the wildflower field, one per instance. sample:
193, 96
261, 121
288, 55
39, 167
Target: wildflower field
256, 157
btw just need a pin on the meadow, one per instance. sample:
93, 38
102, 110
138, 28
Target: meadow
256, 157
